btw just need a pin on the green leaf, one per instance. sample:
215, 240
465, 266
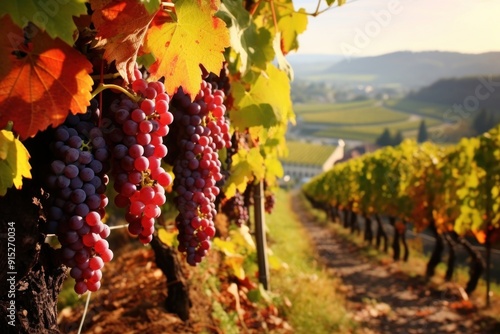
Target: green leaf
151, 5
331, 2
266, 103
14, 164
273, 167
253, 45
246, 165
51, 16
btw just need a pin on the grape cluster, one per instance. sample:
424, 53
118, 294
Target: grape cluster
235, 209
137, 141
269, 201
218, 82
248, 199
202, 130
77, 183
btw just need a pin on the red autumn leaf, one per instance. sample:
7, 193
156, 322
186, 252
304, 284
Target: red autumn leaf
40, 81
121, 28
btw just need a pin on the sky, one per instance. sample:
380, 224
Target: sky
373, 27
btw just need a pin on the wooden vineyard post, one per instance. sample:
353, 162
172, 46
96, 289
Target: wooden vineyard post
260, 234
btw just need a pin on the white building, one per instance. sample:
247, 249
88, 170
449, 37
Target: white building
306, 160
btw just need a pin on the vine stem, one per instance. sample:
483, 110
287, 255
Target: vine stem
102, 87
84, 312
275, 21
254, 8
111, 228
105, 76
101, 81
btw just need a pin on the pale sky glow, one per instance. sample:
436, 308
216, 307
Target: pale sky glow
468, 26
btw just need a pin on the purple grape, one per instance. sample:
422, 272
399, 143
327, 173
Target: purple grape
85, 157
62, 134
87, 174
76, 183
71, 171
82, 209
96, 166
78, 196
88, 188
57, 167
75, 142
71, 155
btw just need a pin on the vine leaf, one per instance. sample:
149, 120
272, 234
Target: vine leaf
152, 6
246, 165
266, 103
40, 80
197, 37
282, 62
291, 24
121, 29
251, 43
55, 18
14, 163
340, 2
169, 238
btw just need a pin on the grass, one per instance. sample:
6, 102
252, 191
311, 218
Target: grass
417, 107
315, 307
364, 115
307, 108
371, 132
366, 120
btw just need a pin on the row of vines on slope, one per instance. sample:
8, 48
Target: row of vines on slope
137, 94
453, 192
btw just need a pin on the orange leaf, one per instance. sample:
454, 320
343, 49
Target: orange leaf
480, 236
180, 47
40, 80
121, 28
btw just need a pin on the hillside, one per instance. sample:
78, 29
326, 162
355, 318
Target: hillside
408, 69
466, 91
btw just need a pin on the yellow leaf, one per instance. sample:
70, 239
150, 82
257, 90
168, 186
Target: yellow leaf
227, 247
495, 191
243, 237
167, 237
197, 37
235, 262
14, 162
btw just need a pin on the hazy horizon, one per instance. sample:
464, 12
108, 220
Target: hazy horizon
375, 27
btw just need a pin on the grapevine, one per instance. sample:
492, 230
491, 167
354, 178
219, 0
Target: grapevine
112, 127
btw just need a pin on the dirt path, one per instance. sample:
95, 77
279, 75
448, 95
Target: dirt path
382, 298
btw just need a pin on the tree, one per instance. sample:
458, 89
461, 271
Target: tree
422, 135
385, 138
398, 139
483, 121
